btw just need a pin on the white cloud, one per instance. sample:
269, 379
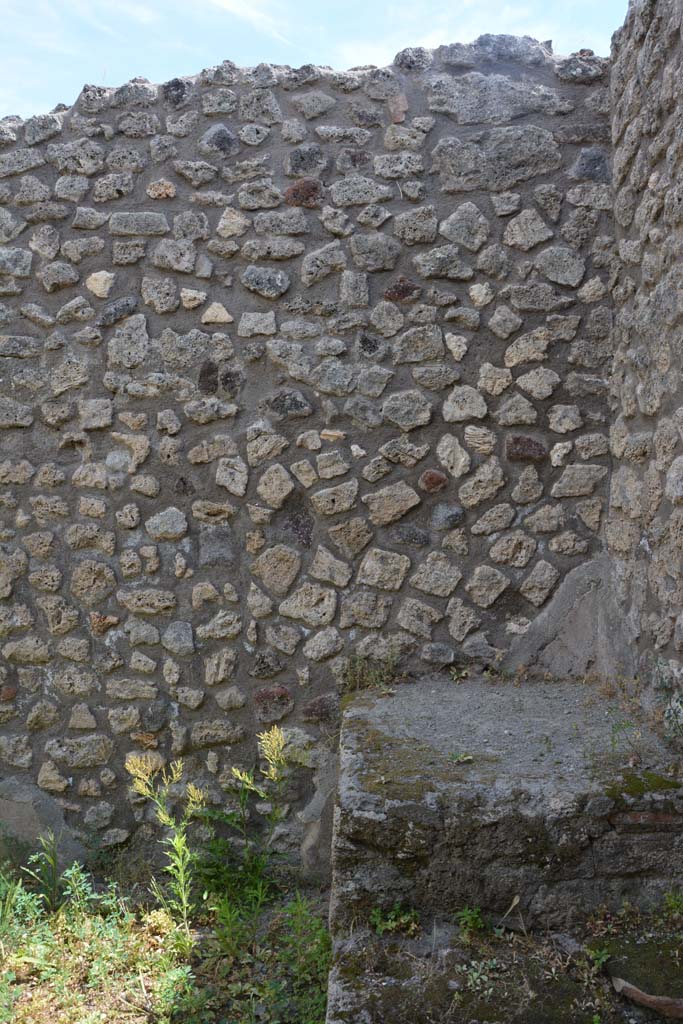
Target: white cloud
142, 13
472, 19
64, 42
256, 13
356, 53
87, 14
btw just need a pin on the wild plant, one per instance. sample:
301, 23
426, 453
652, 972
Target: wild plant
271, 745
673, 905
43, 871
155, 785
398, 920
470, 920
241, 885
480, 977
305, 952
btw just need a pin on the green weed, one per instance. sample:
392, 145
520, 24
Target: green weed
470, 920
218, 940
398, 920
178, 897
480, 977
673, 905
463, 758
43, 871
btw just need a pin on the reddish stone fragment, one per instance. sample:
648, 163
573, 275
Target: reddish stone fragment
308, 192
273, 703
101, 623
403, 290
7, 693
520, 448
324, 708
646, 821
432, 480
397, 108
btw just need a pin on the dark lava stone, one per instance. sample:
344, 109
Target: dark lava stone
446, 517
521, 448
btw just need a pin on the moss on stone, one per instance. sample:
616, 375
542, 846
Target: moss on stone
399, 769
653, 965
394, 986
635, 784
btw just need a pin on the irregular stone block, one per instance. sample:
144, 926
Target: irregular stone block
577, 481
505, 158
388, 504
312, 604
385, 570
486, 585
474, 98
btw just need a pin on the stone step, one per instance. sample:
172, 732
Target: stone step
547, 796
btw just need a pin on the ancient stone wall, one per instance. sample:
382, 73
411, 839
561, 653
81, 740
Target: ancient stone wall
295, 364
645, 526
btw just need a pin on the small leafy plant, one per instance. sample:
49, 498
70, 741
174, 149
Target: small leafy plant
463, 758
244, 889
673, 905
271, 746
625, 735
469, 921
237, 878
592, 965
398, 920
480, 977
459, 673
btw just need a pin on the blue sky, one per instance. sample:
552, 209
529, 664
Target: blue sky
50, 48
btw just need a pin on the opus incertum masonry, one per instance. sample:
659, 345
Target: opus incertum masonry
300, 365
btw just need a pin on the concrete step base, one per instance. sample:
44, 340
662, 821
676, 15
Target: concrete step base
545, 797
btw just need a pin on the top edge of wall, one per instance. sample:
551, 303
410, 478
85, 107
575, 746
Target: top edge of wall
583, 67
